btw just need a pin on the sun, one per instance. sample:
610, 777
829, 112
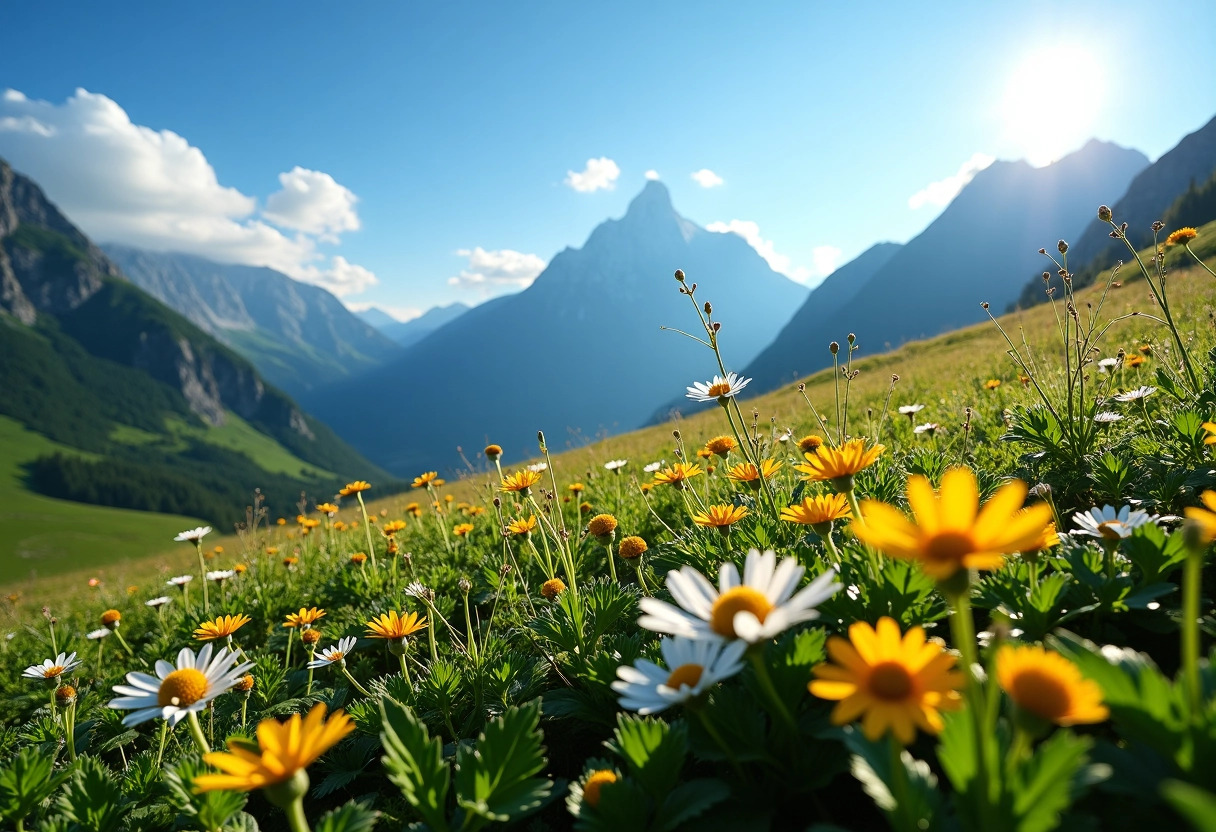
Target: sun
1051, 101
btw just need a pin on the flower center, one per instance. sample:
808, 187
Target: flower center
685, 674
1040, 694
736, 600
719, 389
949, 547
1110, 530
336, 656
890, 681
182, 687
597, 780
53, 671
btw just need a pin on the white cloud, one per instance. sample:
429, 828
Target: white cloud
489, 271
824, 259
399, 313
652, 174
126, 183
600, 173
940, 193
706, 178
312, 202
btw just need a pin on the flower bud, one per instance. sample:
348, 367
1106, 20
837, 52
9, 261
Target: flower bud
1104, 213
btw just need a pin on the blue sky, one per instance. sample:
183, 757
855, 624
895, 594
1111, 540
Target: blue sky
422, 131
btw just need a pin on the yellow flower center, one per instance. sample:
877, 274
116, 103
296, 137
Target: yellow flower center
182, 687
736, 600
1041, 694
685, 674
591, 789
719, 389
53, 671
337, 656
890, 681
949, 547
1110, 530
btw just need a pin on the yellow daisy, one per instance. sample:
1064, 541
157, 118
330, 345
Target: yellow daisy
1049, 686
818, 511
222, 627
720, 517
1203, 520
838, 465
395, 627
423, 480
354, 487
521, 481
305, 617
677, 474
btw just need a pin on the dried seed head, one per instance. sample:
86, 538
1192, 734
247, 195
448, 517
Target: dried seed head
1062, 246
1157, 226
680, 275
717, 327
984, 304
1046, 277
833, 348
709, 309
1042, 251
852, 337
1104, 213
464, 584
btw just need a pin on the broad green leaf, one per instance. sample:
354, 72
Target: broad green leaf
496, 779
1046, 784
350, 817
25, 782
687, 801
1195, 804
653, 751
415, 764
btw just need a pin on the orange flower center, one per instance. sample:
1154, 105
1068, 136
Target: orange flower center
591, 789
182, 687
53, 671
949, 547
719, 389
890, 682
1041, 694
337, 656
1110, 530
685, 674
736, 600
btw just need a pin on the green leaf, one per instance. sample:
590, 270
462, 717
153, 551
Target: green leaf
689, 800
1046, 784
653, 751
872, 766
1153, 553
496, 779
91, 798
350, 817
1193, 803
212, 810
414, 762
26, 782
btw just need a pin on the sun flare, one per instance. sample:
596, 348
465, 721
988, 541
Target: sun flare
1051, 101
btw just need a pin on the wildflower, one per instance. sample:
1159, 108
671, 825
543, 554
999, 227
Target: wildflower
358, 558
1049, 686
615, 465
425, 479
818, 512
951, 531
414, 509
576, 487
462, 529
177, 692
132, 589
335, 655
594, 782
180, 581
631, 548
240, 569
521, 482
1203, 520
1145, 349
992, 384
493, 452
220, 576
354, 488
394, 627
677, 474
721, 445
94, 583
290, 561
552, 588
703, 453
1181, 236
1134, 361
328, 509
1024, 379
602, 527
537, 467
65, 695
285, 750
756, 609
1110, 525
1210, 429
693, 667
244, 684
810, 443
110, 619
720, 517
392, 527
222, 627
522, 525
306, 617
52, 669
416, 590
748, 474
928, 427
894, 684
282, 521
651, 467
1107, 417
838, 465
94, 635
310, 636
193, 535
157, 602
910, 410
1107, 364
720, 389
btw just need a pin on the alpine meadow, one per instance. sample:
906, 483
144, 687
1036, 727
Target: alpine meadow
827, 500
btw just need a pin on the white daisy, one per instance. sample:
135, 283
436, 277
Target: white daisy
193, 535
650, 468
1110, 525
719, 388
1107, 417
418, 590
52, 669
756, 609
335, 655
616, 464
537, 467
1136, 395
910, 410
928, 427
220, 575
786, 437
692, 668
93, 635
1107, 364
175, 692
179, 581
157, 602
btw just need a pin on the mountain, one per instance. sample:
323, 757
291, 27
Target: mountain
376, 318
407, 333
297, 335
1144, 200
577, 353
800, 345
156, 414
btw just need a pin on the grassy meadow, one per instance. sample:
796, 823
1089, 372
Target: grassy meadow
963, 585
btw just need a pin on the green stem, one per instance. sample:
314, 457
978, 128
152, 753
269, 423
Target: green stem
962, 629
1192, 582
69, 723
296, 818
123, 642
405, 670
196, 733
367, 530
611, 563
871, 554
766, 682
641, 580
312, 655
355, 681
721, 743
468, 628
291, 633
1187, 246
202, 573
900, 787
164, 737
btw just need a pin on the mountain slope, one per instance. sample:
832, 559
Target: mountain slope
1145, 199
93, 363
577, 353
408, 333
297, 335
375, 317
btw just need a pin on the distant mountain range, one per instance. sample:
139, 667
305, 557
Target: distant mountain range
158, 414
978, 250
1149, 196
578, 353
298, 336
408, 333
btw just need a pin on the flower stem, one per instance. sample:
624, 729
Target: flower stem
899, 781
202, 573
367, 530
296, 818
355, 681
962, 629
1192, 582
196, 733
766, 682
611, 563
405, 670
69, 730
